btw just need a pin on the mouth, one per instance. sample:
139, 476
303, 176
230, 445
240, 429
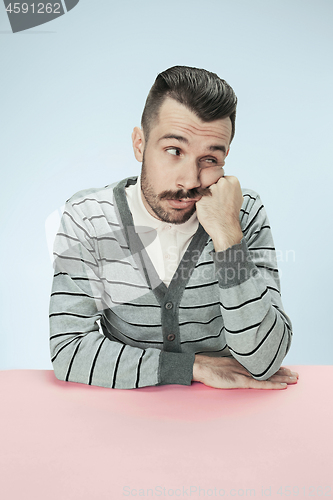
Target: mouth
183, 203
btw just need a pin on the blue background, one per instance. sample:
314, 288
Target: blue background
73, 89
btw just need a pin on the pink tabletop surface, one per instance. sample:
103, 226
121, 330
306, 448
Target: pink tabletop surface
62, 440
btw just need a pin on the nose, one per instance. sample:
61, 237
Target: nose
188, 176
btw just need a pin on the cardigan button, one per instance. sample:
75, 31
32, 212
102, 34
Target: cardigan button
169, 305
171, 336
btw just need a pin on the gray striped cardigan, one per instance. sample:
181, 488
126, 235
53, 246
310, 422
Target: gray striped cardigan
114, 323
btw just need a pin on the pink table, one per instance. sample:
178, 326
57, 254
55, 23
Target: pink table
66, 441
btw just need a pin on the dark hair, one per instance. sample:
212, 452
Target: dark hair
202, 92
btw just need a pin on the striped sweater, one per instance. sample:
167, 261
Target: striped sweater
114, 323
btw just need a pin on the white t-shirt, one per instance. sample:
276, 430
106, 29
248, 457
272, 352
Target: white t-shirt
168, 247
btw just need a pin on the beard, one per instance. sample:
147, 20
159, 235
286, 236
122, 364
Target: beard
173, 215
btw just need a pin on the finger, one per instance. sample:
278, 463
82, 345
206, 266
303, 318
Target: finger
265, 384
286, 371
281, 377
284, 379
232, 179
283, 370
285, 374
220, 179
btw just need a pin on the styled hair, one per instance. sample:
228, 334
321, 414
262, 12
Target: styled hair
202, 92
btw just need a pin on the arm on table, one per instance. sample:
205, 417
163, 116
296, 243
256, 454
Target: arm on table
80, 352
257, 330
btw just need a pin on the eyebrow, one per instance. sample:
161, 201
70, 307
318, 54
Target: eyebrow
180, 138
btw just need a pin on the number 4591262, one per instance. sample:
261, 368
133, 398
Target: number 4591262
49, 8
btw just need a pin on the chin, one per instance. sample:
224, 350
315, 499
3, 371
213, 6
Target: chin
176, 216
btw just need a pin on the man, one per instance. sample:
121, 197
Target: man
171, 277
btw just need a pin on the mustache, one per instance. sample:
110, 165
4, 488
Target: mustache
181, 193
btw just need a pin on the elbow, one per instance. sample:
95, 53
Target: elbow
58, 371
58, 366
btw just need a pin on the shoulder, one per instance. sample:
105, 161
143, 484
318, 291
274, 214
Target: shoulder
250, 193
89, 199
253, 212
100, 193
251, 199
92, 194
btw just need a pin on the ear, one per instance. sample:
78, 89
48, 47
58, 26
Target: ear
227, 152
138, 142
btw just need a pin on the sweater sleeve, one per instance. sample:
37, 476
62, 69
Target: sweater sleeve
257, 330
80, 352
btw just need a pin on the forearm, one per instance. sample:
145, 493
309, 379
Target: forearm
257, 332
95, 360
81, 352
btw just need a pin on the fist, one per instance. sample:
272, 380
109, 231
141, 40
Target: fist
219, 213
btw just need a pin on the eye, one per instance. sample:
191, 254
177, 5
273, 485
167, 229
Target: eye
210, 161
174, 151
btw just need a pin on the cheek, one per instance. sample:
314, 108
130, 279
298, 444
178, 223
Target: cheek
209, 176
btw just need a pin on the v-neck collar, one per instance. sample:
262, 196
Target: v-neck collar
139, 253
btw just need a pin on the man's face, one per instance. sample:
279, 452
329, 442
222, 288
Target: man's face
182, 157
